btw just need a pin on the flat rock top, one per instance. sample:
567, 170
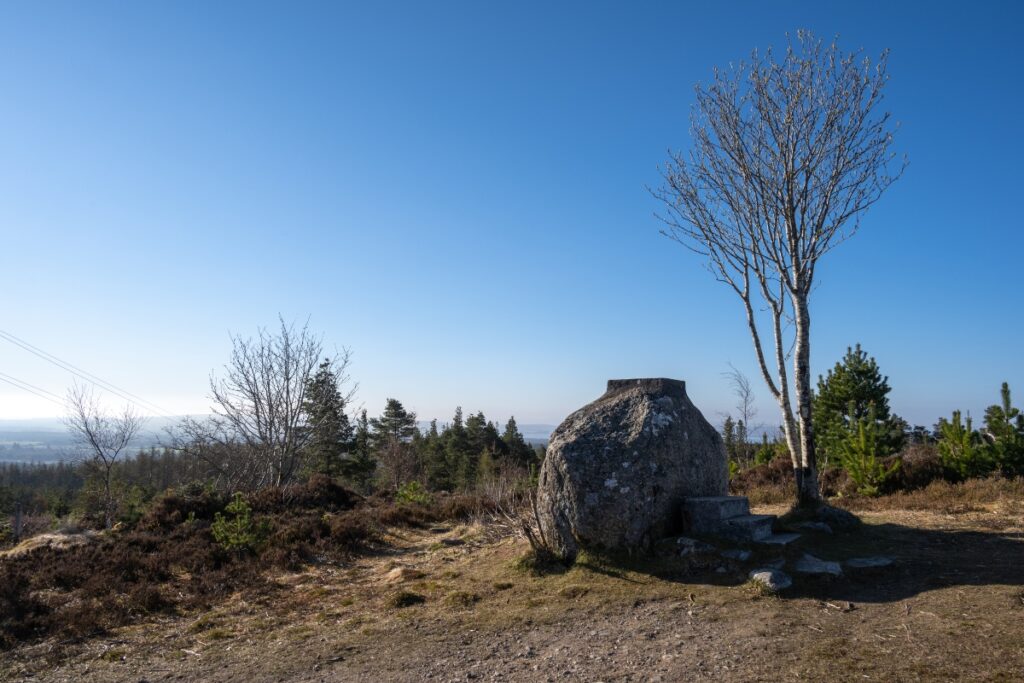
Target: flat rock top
657, 385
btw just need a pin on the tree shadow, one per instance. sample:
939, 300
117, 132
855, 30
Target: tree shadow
924, 560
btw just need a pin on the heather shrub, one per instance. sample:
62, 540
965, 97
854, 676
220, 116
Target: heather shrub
320, 492
766, 484
192, 502
920, 466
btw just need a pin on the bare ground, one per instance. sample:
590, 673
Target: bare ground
951, 609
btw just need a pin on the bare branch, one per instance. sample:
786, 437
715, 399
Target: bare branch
787, 154
102, 437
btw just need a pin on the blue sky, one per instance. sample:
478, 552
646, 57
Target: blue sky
456, 191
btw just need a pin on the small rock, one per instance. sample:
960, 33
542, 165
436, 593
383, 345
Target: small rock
737, 554
815, 526
809, 564
400, 574
720, 570
875, 562
772, 579
690, 546
452, 541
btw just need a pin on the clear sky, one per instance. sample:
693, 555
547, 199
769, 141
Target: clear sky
456, 191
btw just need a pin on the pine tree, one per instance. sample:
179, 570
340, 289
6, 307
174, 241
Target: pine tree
1004, 427
729, 437
395, 424
519, 451
859, 455
329, 429
459, 453
476, 432
432, 454
962, 451
854, 384
744, 449
361, 466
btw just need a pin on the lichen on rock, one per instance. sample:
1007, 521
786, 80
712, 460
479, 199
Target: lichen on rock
616, 471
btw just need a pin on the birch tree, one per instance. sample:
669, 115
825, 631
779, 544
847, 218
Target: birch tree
787, 154
260, 427
103, 438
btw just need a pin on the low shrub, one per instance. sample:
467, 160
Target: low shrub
180, 557
462, 599
352, 529
766, 484
540, 562
920, 466
116, 580
461, 506
404, 599
835, 481
193, 502
320, 492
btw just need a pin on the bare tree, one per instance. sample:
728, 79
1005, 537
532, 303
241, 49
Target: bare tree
259, 428
399, 462
102, 436
787, 155
744, 393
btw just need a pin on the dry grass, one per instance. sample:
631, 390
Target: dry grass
973, 495
604, 618
956, 587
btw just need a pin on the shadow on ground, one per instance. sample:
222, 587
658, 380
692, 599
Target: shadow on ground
925, 559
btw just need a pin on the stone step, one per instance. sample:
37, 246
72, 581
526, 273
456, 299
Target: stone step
705, 515
749, 527
779, 539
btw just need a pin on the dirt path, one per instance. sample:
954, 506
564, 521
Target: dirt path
952, 609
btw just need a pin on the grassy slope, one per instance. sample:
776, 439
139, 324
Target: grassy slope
952, 609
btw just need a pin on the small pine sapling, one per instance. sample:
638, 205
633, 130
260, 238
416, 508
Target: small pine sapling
859, 455
962, 451
236, 530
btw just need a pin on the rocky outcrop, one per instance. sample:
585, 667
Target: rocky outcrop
617, 470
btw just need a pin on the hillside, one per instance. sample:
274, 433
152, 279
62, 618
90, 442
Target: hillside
452, 601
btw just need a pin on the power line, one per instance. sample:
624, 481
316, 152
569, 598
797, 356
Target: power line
30, 388
82, 374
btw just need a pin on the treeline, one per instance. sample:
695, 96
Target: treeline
281, 416
868, 450
466, 455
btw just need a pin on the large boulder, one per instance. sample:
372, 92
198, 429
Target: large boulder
617, 470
